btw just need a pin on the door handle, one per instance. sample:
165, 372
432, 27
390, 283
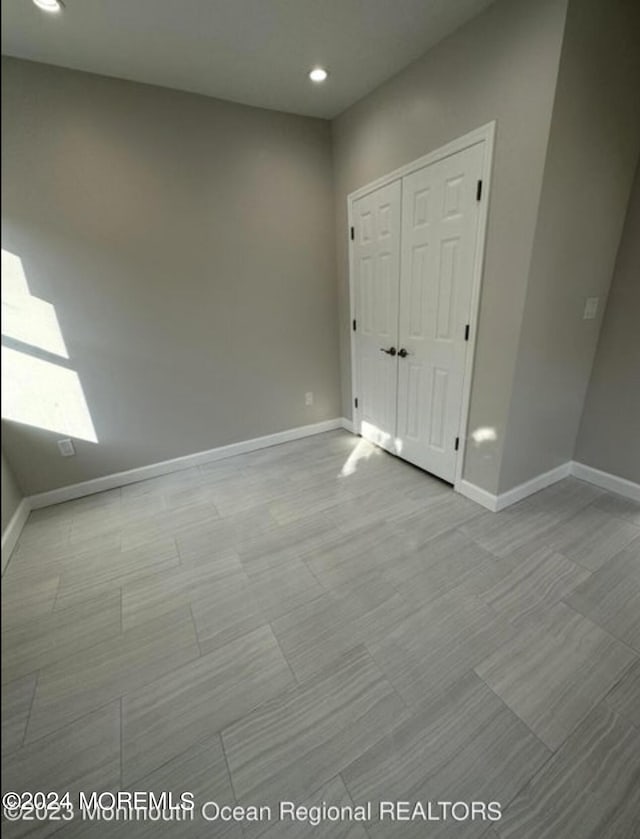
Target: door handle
402, 353
390, 351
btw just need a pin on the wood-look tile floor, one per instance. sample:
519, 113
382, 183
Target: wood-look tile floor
320, 621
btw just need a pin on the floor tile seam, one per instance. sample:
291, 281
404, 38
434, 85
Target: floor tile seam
598, 701
542, 768
93, 591
303, 684
57, 594
453, 590
514, 713
305, 561
228, 765
344, 784
585, 507
69, 723
121, 750
622, 677
597, 623
296, 681
15, 553
31, 703
607, 514
195, 630
552, 756
160, 766
524, 630
517, 627
616, 516
126, 695
338, 776
626, 519
270, 620
579, 566
525, 581
54, 665
407, 706
347, 622
450, 758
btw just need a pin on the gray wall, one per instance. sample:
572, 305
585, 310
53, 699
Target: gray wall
502, 65
593, 148
11, 495
187, 245
610, 427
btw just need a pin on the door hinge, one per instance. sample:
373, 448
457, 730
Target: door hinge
457, 445
354, 324
479, 191
466, 332
355, 401
353, 233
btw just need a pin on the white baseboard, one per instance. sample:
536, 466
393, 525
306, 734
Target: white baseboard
495, 503
348, 425
512, 496
13, 530
132, 476
477, 494
605, 480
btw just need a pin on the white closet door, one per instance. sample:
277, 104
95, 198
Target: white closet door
376, 262
440, 214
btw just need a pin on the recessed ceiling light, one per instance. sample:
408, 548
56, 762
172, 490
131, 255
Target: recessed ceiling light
49, 5
318, 74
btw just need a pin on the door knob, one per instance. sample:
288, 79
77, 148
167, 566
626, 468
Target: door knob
390, 351
403, 353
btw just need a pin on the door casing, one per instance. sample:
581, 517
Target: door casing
486, 135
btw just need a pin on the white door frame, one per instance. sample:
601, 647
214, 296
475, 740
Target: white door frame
485, 134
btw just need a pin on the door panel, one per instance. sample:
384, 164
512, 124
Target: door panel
376, 260
439, 240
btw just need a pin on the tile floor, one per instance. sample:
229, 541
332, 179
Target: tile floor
318, 622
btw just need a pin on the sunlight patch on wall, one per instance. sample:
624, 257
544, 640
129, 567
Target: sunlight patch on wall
13, 278
25, 318
484, 435
32, 322
44, 395
36, 391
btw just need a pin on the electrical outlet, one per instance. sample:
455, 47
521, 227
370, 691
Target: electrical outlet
308, 398
66, 448
590, 308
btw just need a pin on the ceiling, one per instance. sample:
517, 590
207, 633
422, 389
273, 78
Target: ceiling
253, 51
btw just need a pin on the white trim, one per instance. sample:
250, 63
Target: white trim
474, 308
606, 480
13, 530
495, 503
477, 494
512, 496
355, 412
486, 135
478, 135
132, 476
348, 425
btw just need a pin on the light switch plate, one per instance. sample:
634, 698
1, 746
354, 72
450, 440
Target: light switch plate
590, 308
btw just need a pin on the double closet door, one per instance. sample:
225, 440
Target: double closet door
414, 248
